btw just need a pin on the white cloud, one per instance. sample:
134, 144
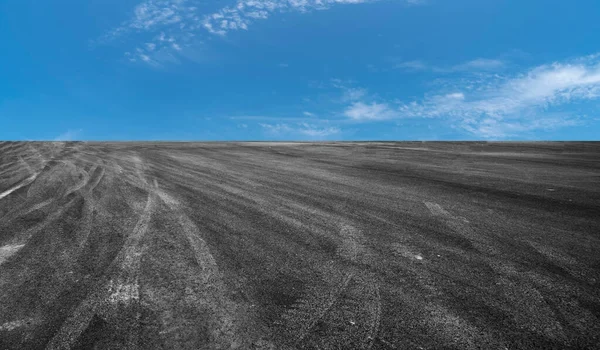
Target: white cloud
173, 24
142, 55
276, 128
476, 65
456, 96
349, 92
372, 111
411, 66
162, 49
354, 94
497, 106
303, 130
244, 12
479, 64
319, 132
493, 128
151, 15
156, 13
506, 106
180, 22
541, 87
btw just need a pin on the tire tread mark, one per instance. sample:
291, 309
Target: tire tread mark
225, 328
462, 229
98, 300
303, 317
375, 310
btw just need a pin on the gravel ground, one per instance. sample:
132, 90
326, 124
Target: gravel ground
299, 245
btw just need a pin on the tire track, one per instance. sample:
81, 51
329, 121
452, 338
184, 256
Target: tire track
8, 250
55, 212
374, 324
96, 179
29, 168
20, 209
224, 322
308, 311
351, 243
39, 155
351, 306
97, 174
79, 320
437, 210
350, 313
84, 188
37, 198
125, 286
85, 178
21, 184
115, 298
10, 326
23, 238
460, 226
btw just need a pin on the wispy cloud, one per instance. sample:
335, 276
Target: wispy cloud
245, 12
69, 135
303, 130
177, 24
500, 106
370, 111
540, 87
161, 28
151, 15
481, 64
494, 128
350, 93
360, 105
412, 65
263, 118
476, 65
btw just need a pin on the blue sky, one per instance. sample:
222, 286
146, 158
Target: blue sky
300, 70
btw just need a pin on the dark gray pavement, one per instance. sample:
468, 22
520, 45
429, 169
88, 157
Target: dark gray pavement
299, 245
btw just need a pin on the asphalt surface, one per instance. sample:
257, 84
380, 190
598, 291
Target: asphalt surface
299, 245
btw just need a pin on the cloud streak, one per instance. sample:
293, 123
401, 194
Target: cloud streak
69, 135
370, 111
304, 130
476, 65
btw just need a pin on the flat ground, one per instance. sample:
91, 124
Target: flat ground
299, 245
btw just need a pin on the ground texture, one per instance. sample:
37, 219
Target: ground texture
299, 245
